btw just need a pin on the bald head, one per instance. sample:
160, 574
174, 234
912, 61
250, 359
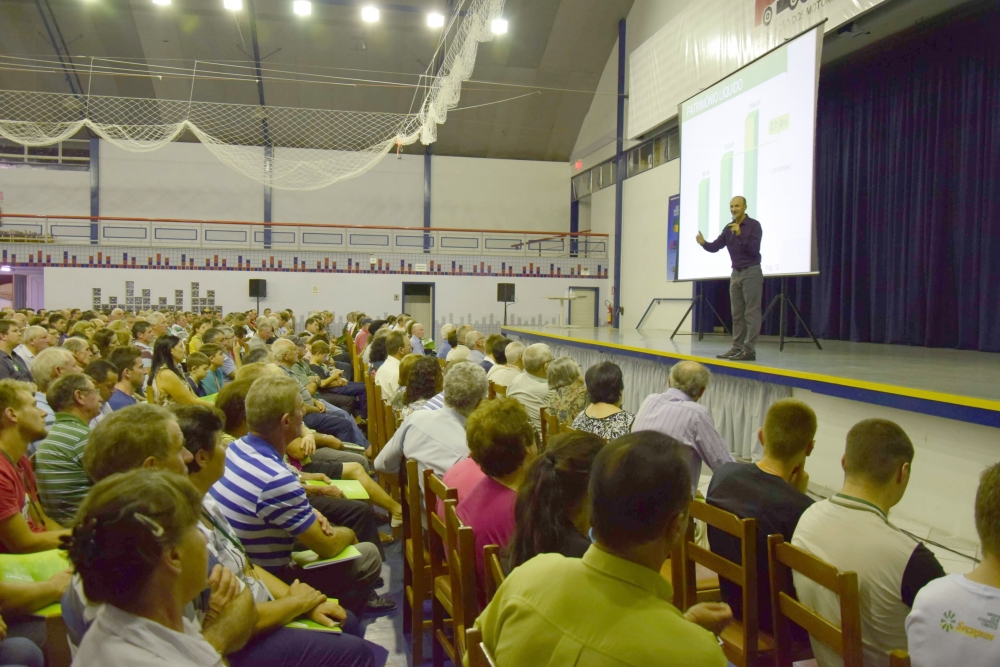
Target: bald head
690, 377
284, 352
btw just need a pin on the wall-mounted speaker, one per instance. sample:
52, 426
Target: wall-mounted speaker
258, 288
505, 293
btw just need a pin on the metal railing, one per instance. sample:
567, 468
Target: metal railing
319, 237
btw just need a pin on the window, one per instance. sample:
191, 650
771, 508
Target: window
68, 152
650, 154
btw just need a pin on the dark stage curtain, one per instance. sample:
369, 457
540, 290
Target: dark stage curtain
907, 192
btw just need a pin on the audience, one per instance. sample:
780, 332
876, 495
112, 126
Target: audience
677, 413
852, 532
489, 361
143, 336
62, 481
426, 380
771, 491
552, 514
968, 603
105, 377
131, 377
397, 346
476, 342
169, 383
448, 341
567, 395
214, 377
33, 340
604, 416
11, 365
436, 439
24, 526
509, 365
531, 387
416, 335
50, 364
612, 606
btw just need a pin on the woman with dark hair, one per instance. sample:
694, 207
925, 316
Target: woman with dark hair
140, 554
604, 416
553, 509
425, 382
170, 384
106, 341
376, 353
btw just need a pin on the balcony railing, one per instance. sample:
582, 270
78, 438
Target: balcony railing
317, 237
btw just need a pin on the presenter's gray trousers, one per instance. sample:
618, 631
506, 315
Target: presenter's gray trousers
746, 287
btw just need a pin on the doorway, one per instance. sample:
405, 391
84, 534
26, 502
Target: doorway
418, 302
583, 311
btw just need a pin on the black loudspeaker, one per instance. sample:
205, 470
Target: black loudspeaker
258, 288
505, 292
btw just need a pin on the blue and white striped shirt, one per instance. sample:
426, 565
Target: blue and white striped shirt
435, 402
263, 501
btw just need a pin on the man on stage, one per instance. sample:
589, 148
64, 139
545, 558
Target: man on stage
746, 286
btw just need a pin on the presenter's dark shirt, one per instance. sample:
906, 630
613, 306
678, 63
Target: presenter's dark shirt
744, 250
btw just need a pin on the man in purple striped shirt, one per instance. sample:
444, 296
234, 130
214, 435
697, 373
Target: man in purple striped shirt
677, 413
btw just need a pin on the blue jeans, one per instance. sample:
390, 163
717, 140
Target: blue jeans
355, 390
287, 647
337, 423
20, 651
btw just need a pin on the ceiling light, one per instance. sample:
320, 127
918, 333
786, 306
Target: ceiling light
234, 5
161, 2
302, 7
5, 268
435, 20
369, 14
499, 26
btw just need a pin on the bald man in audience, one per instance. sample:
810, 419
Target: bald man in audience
611, 608
851, 531
676, 413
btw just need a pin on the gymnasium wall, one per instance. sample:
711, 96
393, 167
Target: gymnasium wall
40, 191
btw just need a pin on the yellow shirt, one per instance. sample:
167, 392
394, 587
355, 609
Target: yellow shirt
598, 611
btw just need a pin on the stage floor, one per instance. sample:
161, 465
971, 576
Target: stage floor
958, 384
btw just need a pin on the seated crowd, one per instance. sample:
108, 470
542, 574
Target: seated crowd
193, 468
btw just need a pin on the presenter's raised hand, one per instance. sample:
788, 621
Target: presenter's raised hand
700, 239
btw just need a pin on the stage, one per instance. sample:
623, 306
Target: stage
955, 384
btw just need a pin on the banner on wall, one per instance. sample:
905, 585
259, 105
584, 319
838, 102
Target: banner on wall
673, 234
709, 40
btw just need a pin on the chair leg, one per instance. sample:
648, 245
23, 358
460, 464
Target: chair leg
407, 585
437, 625
417, 629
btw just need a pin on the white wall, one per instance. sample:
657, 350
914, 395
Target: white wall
391, 194
41, 191
499, 194
180, 180
949, 457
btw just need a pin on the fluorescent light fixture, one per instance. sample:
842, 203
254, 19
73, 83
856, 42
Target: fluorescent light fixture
161, 2
369, 14
435, 20
499, 26
234, 5
5, 268
302, 7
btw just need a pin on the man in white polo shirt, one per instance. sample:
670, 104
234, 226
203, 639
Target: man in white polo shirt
955, 619
532, 386
852, 532
397, 345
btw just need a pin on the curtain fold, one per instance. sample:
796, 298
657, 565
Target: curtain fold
907, 176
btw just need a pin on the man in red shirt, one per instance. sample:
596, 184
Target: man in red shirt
24, 528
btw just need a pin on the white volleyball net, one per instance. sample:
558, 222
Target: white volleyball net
286, 148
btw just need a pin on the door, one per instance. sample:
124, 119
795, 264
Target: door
583, 311
418, 301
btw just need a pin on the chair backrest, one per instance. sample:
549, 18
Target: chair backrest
743, 574
494, 570
388, 421
500, 390
492, 391
409, 497
899, 658
549, 424
784, 559
373, 432
462, 568
437, 530
479, 656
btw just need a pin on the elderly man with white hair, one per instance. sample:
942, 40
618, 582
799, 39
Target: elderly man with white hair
445, 347
436, 439
509, 365
476, 342
677, 413
532, 386
33, 341
50, 364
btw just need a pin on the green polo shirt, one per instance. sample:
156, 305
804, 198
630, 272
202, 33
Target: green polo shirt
62, 482
598, 611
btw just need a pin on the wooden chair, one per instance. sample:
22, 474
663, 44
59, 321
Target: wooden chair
549, 424
479, 656
387, 427
899, 658
494, 570
462, 569
57, 647
416, 562
500, 390
440, 581
492, 394
742, 641
784, 559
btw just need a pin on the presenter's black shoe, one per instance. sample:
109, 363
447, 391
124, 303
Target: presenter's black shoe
745, 355
733, 351
379, 605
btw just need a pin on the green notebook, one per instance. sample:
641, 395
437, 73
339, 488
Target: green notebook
309, 559
352, 489
210, 398
308, 624
40, 566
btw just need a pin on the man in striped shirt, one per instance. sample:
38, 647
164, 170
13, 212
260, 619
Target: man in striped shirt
62, 481
268, 508
677, 413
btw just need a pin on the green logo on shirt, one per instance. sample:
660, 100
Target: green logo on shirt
948, 621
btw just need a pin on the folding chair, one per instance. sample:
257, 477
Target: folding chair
462, 569
440, 581
416, 562
784, 559
742, 641
479, 656
494, 570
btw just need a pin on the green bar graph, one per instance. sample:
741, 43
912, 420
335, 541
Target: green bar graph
725, 189
703, 208
750, 143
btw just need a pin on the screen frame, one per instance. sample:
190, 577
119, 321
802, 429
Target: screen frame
814, 250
